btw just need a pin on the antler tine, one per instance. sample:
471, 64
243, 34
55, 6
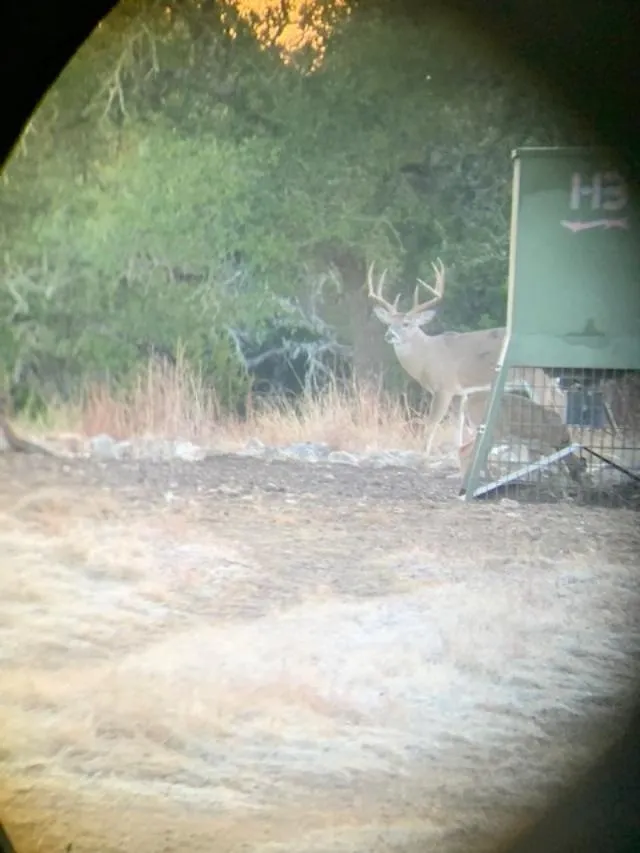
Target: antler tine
376, 294
437, 290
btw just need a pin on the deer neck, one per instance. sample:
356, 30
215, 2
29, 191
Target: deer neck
410, 354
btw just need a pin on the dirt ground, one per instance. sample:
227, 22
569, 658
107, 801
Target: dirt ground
243, 655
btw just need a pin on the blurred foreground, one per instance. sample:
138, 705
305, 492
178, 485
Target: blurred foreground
237, 654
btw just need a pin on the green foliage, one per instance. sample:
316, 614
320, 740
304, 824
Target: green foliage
181, 178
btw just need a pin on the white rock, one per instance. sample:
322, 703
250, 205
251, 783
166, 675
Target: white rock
104, 447
254, 447
155, 448
124, 450
396, 458
306, 451
344, 458
189, 452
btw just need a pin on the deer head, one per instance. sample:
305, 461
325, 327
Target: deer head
403, 326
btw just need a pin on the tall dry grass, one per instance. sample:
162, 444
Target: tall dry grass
173, 401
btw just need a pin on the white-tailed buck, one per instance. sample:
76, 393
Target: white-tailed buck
451, 364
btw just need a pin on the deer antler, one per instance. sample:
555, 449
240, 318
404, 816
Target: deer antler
376, 294
437, 290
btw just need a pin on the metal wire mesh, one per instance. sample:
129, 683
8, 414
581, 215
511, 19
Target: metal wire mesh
560, 434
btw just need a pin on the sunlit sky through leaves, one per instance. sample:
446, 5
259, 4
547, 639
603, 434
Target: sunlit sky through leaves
300, 29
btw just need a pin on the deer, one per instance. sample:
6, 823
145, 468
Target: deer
525, 421
451, 364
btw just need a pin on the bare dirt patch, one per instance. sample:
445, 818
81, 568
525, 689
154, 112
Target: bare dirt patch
238, 654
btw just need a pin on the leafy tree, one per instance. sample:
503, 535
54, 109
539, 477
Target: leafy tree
190, 174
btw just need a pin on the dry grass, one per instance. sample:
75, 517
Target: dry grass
173, 402
291, 670
209, 677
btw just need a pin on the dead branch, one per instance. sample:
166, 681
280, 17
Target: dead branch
15, 443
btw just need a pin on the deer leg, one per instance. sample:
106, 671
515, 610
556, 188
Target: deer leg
439, 406
462, 417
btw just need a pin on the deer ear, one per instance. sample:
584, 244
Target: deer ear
423, 317
382, 314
